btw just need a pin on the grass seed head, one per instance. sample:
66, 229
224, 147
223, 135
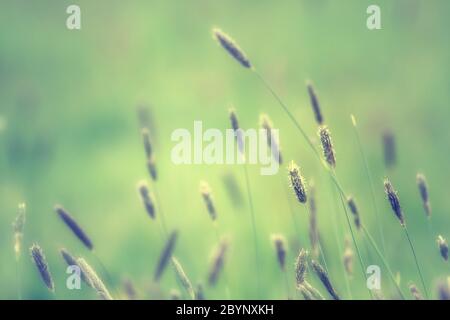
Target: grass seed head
348, 256
327, 146
297, 182
443, 247
354, 210
147, 143
301, 266
147, 199
314, 103
94, 280
151, 168
18, 227
165, 255
279, 242
423, 190
415, 292
218, 262
237, 130
39, 260
183, 278
443, 289
74, 226
205, 191
394, 201
71, 260
272, 141
324, 278
389, 149
231, 47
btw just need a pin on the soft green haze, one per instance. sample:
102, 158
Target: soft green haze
69, 133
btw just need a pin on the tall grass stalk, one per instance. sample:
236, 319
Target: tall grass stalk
369, 178
311, 145
337, 238
162, 223
419, 270
319, 245
358, 252
225, 273
291, 209
253, 220
386, 265
233, 49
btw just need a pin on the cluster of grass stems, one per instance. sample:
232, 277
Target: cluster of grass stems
310, 257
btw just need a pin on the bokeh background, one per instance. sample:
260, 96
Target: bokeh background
69, 133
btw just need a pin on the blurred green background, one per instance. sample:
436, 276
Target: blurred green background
69, 132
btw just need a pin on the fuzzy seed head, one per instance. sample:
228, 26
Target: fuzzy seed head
394, 201
165, 255
72, 261
218, 262
279, 242
415, 292
348, 256
183, 278
327, 146
389, 149
205, 191
272, 141
443, 289
94, 280
237, 130
323, 276
443, 247
423, 190
39, 260
147, 199
354, 210
231, 47
314, 103
18, 227
199, 293
301, 266
297, 182
74, 226
151, 168
305, 292
129, 289
147, 143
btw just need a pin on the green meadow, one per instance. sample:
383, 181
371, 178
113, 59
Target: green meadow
70, 134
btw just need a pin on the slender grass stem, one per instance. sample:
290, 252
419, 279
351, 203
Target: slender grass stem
105, 271
305, 136
416, 261
374, 245
291, 209
160, 211
369, 178
361, 262
286, 110
319, 245
225, 274
253, 220
338, 243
